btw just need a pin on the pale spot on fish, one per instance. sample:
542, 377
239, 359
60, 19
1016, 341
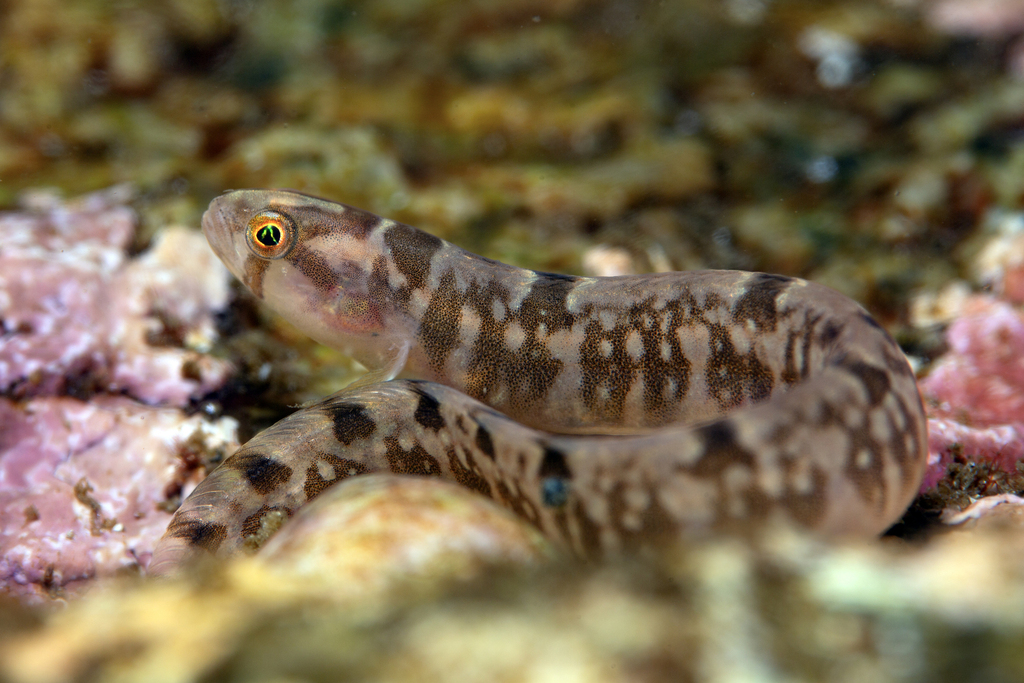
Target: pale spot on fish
470, 327
515, 335
498, 310
607, 319
325, 470
634, 346
406, 441
863, 459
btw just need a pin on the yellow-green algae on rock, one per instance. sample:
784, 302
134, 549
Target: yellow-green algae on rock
782, 610
378, 532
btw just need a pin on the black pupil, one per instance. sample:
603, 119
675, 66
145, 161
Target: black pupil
269, 236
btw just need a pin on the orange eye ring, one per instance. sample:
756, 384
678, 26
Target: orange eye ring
270, 234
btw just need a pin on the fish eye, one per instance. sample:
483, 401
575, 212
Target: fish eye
270, 234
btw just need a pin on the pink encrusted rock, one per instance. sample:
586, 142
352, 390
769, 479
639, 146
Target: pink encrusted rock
1002, 446
74, 309
81, 482
981, 378
975, 393
80, 485
980, 18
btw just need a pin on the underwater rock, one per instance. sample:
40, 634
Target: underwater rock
82, 485
371, 533
79, 316
98, 353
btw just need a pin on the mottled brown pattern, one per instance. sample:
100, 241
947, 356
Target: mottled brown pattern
617, 371
656, 524
316, 267
439, 328
251, 524
411, 251
206, 536
416, 460
798, 394
468, 475
343, 468
526, 372
735, 378
866, 478
264, 474
804, 508
318, 218
757, 303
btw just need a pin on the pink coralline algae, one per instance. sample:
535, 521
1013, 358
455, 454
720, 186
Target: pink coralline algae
81, 482
982, 18
81, 479
975, 393
74, 307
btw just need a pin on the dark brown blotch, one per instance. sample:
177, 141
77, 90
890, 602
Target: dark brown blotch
439, 328
830, 333
357, 222
205, 535
588, 542
658, 371
871, 322
483, 441
553, 464
874, 380
528, 372
264, 474
428, 411
545, 303
351, 422
757, 303
896, 362
518, 503
720, 450
412, 251
617, 372
378, 289
790, 373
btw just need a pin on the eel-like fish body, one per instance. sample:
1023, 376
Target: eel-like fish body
612, 413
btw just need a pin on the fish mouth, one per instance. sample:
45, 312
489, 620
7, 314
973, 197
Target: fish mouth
223, 223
